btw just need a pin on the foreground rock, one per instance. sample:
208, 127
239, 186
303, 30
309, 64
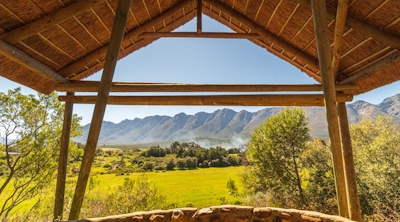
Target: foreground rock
225, 213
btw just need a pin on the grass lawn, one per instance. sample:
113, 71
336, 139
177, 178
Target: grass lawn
198, 188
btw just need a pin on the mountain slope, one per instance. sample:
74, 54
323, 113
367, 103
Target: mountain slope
226, 124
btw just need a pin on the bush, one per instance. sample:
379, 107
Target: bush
170, 165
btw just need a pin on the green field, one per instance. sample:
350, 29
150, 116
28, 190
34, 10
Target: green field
198, 188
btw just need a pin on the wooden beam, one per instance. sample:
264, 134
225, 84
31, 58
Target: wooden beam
63, 161
225, 35
341, 15
30, 63
353, 200
328, 85
359, 26
199, 15
85, 61
212, 100
117, 34
266, 34
383, 64
135, 87
48, 21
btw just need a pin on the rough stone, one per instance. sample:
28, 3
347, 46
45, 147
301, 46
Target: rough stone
224, 213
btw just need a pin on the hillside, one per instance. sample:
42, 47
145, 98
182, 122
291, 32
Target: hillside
226, 125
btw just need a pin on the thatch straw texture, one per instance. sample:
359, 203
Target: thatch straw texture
75, 47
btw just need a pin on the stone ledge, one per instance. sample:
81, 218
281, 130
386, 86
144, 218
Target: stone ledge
224, 213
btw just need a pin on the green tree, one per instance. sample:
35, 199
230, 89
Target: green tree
377, 158
274, 151
30, 132
317, 176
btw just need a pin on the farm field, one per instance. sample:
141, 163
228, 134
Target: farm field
197, 188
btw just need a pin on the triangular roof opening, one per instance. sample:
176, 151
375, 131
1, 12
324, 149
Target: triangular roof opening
202, 60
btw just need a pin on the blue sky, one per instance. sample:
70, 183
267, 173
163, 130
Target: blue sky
190, 60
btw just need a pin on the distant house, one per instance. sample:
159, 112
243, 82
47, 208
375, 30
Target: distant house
14, 153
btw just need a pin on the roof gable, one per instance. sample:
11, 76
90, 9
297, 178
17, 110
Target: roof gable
76, 44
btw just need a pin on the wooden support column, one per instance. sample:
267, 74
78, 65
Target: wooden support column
199, 14
328, 86
341, 15
349, 171
63, 160
100, 106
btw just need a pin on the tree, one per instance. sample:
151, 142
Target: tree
318, 178
377, 158
274, 151
30, 132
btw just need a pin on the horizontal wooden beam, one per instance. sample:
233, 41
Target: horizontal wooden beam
100, 52
28, 62
383, 64
311, 61
212, 100
48, 21
222, 35
137, 87
359, 26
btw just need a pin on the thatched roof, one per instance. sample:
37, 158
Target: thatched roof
70, 37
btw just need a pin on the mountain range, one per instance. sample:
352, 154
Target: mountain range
225, 127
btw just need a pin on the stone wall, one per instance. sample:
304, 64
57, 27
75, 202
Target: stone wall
225, 213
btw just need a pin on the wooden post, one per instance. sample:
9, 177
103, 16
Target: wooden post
199, 14
341, 15
349, 171
63, 160
100, 107
328, 86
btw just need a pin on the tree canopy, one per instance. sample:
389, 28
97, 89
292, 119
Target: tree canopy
274, 151
30, 132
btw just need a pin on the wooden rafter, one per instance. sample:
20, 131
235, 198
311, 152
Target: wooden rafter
341, 15
325, 62
28, 62
141, 87
383, 64
69, 71
117, 34
211, 100
227, 35
199, 15
359, 26
266, 34
48, 21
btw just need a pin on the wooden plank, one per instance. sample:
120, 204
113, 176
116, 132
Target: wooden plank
341, 15
213, 100
137, 87
225, 35
353, 200
266, 34
85, 61
63, 161
117, 34
199, 15
359, 26
48, 21
381, 65
28, 62
328, 85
